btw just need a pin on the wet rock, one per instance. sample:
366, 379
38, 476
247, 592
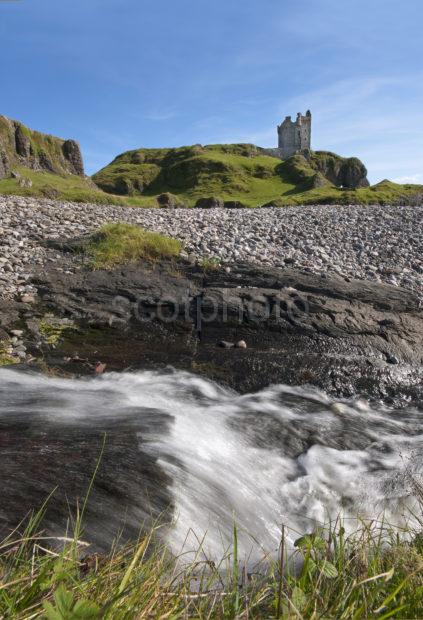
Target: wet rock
330, 333
18, 333
3, 335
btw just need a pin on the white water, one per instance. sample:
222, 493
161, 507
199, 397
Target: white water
281, 456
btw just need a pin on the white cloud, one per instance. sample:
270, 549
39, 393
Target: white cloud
414, 178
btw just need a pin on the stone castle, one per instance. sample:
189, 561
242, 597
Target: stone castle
294, 137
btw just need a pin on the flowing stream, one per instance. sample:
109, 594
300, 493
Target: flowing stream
181, 447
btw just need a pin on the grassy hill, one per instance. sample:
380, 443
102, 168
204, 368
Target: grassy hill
36, 164
240, 172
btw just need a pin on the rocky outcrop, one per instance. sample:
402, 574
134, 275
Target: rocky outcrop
349, 172
20, 146
320, 168
346, 337
22, 142
73, 155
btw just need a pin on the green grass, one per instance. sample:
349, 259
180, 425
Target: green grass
195, 172
117, 244
61, 187
368, 574
384, 193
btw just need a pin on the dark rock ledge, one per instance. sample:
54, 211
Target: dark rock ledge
346, 337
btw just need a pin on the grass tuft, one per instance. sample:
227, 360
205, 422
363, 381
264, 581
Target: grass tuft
210, 264
118, 244
369, 574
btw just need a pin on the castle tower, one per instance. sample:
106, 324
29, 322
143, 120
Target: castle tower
294, 137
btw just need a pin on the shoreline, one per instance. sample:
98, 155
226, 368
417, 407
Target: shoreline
373, 243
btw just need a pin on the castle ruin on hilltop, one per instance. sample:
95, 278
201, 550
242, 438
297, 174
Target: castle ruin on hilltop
294, 137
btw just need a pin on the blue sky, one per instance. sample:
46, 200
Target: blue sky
122, 74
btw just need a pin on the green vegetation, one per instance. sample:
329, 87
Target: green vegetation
244, 173
210, 264
180, 177
59, 187
234, 172
53, 329
6, 358
117, 244
369, 574
383, 193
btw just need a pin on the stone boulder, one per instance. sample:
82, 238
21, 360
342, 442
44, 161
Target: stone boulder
213, 202
169, 201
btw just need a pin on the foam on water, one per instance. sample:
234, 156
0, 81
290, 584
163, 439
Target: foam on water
283, 455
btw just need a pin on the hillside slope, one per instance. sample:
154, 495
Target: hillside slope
232, 175
21, 146
37, 164
244, 174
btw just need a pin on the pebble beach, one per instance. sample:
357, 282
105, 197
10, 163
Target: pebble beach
376, 243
